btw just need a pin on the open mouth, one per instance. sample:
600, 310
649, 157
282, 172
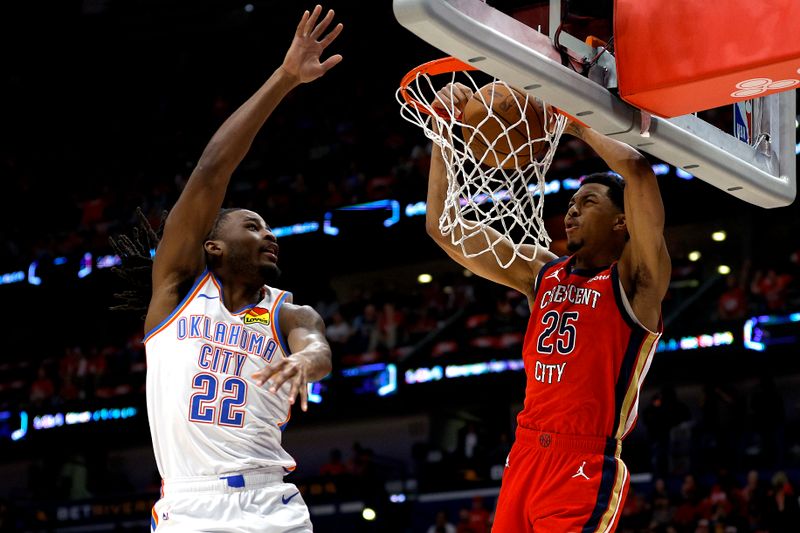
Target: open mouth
271, 251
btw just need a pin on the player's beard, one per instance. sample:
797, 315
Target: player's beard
241, 263
269, 273
574, 246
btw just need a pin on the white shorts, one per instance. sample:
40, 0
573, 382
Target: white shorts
254, 501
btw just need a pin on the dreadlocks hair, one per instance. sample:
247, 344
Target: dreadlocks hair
137, 262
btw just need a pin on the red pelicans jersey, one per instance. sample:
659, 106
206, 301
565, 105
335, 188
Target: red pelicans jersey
585, 354
207, 416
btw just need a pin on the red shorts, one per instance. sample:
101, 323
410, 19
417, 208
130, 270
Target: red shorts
557, 483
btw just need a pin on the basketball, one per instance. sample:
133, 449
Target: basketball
482, 128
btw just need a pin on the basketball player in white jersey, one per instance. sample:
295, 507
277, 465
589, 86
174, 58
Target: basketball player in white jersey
227, 354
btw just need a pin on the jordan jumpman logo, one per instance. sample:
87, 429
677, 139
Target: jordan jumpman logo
580, 471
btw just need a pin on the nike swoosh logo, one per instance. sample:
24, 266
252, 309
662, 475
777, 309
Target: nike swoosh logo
207, 297
286, 500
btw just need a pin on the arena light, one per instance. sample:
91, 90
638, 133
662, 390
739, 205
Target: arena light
108, 261
296, 229
314, 395
368, 514
782, 331
424, 278
694, 342
694, 256
86, 265
724, 270
12, 277
70, 418
416, 209
390, 377
719, 236
23, 427
437, 373
33, 279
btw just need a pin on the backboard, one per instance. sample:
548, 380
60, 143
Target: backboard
500, 45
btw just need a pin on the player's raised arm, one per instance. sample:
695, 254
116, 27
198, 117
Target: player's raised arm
520, 275
180, 255
645, 264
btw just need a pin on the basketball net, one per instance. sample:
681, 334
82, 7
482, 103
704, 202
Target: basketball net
499, 208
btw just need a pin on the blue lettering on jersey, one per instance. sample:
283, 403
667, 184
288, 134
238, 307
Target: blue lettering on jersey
223, 334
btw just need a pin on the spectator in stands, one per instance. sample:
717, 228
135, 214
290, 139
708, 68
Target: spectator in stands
389, 328
716, 507
363, 329
661, 505
732, 303
73, 478
42, 388
687, 509
335, 466
470, 443
771, 289
752, 498
339, 332
463, 525
782, 511
442, 524
478, 516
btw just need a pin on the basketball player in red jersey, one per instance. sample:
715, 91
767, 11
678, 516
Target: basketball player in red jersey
594, 326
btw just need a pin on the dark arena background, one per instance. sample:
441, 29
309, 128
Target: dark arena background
106, 106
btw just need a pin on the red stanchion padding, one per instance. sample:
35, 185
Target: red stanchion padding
683, 56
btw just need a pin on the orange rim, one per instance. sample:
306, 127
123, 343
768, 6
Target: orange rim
444, 65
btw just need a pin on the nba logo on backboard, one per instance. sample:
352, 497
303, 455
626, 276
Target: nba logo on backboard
743, 120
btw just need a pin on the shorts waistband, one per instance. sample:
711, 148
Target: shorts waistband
569, 443
222, 483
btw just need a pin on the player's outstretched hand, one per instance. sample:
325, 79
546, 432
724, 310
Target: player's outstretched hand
293, 370
303, 60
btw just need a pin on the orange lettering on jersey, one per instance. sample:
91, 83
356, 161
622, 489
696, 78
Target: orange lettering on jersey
257, 315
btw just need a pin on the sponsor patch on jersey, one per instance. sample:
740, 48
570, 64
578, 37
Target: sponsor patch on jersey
257, 315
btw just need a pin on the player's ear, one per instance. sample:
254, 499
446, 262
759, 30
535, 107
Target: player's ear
213, 248
619, 223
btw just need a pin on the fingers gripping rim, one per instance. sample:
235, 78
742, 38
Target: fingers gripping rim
444, 65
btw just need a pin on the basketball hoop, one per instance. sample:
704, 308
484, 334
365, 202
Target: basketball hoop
506, 196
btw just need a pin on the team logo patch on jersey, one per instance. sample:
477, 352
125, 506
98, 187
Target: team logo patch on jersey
257, 315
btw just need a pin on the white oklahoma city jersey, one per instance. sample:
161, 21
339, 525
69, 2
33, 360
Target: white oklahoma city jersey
207, 415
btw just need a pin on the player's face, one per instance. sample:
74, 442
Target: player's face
250, 244
590, 217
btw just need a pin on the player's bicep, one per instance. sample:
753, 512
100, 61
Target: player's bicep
302, 326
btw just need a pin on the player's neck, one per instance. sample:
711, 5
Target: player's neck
587, 260
238, 293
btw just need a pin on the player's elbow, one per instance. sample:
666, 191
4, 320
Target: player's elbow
637, 166
432, 228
